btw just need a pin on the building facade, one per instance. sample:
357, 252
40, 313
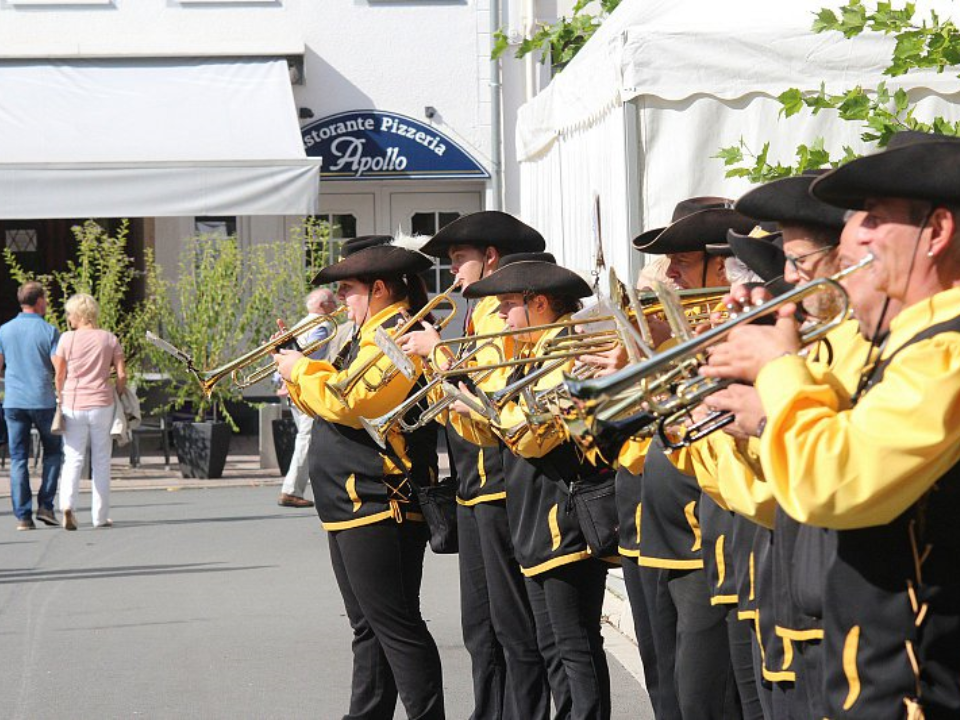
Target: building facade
394, 101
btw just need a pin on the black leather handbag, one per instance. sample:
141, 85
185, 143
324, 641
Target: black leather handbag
596, 507
438, 503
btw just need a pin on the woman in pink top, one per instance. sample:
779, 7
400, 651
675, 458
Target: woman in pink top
83, 362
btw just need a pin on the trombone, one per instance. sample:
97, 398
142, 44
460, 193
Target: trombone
667, 387
209, 379
388, 348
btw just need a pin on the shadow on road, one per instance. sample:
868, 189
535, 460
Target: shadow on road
27, 575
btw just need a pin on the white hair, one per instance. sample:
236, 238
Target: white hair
317, 297
738, 273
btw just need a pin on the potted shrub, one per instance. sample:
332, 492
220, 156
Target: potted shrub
223, 304
209, 313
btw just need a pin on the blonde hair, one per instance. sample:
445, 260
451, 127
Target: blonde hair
84, 308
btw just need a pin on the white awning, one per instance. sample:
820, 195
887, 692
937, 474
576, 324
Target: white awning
151, 137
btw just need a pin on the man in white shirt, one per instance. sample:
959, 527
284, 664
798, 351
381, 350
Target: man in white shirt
318, 302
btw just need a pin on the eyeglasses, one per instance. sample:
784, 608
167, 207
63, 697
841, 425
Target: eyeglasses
795, 260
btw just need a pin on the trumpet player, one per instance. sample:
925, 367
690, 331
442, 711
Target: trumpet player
879, 466
788, 569
497, 622
364, 497
692, 635
565, 578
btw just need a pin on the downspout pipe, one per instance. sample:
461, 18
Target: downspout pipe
496, 121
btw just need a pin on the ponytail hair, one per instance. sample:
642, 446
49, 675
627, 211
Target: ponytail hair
409, 287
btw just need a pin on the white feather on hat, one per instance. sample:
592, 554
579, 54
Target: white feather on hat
409, 242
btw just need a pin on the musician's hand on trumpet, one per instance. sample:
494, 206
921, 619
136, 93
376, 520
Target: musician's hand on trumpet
743, 402
284, 358
420, 342
742, 297
606, 362
459, 406
749, 347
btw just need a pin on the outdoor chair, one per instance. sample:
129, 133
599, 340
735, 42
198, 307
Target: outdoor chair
151, 427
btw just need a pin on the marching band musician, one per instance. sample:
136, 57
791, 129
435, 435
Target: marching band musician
879, 466
693, 637
790, 605
791, 591
364, 496
509, 681
564, 579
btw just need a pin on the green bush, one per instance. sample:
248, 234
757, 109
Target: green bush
224, 303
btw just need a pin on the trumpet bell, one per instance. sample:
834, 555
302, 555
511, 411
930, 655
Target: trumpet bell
208, 380
377, 428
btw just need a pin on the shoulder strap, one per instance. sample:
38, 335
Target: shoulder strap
878, 370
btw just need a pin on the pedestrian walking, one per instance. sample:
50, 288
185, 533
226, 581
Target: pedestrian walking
27, 344
85, 359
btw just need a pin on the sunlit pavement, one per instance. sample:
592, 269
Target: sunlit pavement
205, 600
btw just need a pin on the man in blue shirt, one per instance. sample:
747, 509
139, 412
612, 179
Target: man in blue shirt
27, 344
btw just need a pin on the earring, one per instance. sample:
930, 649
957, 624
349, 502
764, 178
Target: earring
930, 253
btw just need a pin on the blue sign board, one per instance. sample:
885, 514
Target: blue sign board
374, 145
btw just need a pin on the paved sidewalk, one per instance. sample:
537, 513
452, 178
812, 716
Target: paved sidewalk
240, 471
245, 471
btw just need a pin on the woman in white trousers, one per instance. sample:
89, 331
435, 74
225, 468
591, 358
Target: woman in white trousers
85, 358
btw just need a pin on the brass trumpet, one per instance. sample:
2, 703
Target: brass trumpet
667, 387
232, 369
554, 349
378, 428
342, 389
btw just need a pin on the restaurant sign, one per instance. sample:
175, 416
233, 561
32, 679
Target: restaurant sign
374, 145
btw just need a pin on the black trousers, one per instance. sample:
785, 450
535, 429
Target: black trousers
379, 568
764, 687
509, 677
567, 603
693, 633
667, 706
808, 657
643, 628
741, 640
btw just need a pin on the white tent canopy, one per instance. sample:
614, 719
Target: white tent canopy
151, 137
664, 84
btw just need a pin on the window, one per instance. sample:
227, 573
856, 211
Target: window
438, 277
342, 227
22, 240
222, 226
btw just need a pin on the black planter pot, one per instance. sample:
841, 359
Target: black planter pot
284, 438
201, 448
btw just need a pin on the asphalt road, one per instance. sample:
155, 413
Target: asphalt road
198, 604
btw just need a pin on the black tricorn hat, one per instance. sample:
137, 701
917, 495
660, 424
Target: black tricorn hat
760, 251
788, 202
349, 247
718, 249
525, 256
697, 222
915, 166
375, 261
484, 228
530, 276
